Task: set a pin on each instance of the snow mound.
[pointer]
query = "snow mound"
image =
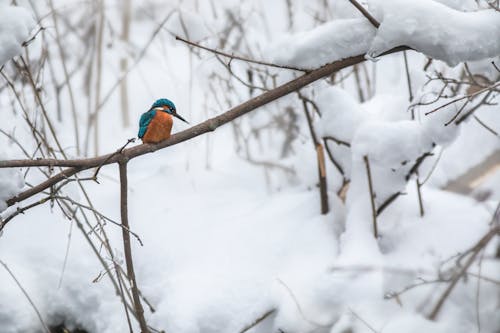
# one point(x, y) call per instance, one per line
point(15, 26)
point(427, 26)
point(390, 144)
point(327, 43)
point(341, 114)
point(436, 30)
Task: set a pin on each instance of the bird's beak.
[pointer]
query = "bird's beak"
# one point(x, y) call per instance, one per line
point(184, 120)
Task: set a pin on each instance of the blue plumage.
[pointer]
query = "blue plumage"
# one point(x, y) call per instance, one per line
point(144, 122)
point(164, 102)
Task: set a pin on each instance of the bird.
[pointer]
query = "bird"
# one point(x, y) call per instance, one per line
point(155, 124)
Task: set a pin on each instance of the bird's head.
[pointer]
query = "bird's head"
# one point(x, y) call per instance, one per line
point(166, 105)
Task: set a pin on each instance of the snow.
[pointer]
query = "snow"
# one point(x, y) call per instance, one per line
point(187, 267)
point(390, 144)
point(436, 128)
point(341, 114)
point(436, 30)
point(16, 24)
point(225, 239)
point(327, 43)
point(462, 36)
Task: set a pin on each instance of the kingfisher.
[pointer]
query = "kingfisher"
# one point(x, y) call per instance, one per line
point(155, 125)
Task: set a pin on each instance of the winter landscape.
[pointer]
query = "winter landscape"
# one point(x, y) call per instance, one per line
point(338, 170)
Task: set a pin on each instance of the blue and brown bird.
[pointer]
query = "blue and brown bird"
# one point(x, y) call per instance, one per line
point(155, 125)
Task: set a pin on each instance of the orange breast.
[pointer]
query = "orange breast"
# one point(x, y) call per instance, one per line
point(159, 128)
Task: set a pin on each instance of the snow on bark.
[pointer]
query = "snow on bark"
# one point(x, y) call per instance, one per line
point(11, 182)
point(15, 26)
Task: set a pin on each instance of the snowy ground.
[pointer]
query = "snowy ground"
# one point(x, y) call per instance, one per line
point(226, 241)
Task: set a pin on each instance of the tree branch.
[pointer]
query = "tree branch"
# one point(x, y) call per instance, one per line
point(209, 125)
point(139, 311)
point(387, 202)
point(365, 13)
point(258, 320)
point(320, 155)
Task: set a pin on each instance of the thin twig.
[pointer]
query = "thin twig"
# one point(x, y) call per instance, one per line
point(32, 38)
point(66, 255)
point(142, 53)
point(100, 215)
point(337, 141)
point(38, 98)
point(408, 80)
point(473, 109)
point(496, 67)
point(67, 80)
point(333, 160)
point(418, 162)
point(372, 196)
point(232, 56)
point(365, 13)
point(127, 315)
point(419, 195)
point(119, 151)
point(387, 202)
point(413, 170)
point(370, 327)
point(488, 128)
point(469, 96)
point(460, 111)
point(96, 252)
point(475, 250)
point(258, 320)
point(299, 307)
point(421, 282)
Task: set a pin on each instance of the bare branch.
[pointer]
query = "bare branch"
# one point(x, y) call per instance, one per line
point(474, 252)
point(365, 13)
point(337, 141)
point(488, 128)
point(417, 164)
point(387, 202)
point(474, 108)
point(258, 320)
point(139, 311)
point(372, 196)
point(232, 56)
point(469, 96)
point(209, 125)
point(299, 307)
